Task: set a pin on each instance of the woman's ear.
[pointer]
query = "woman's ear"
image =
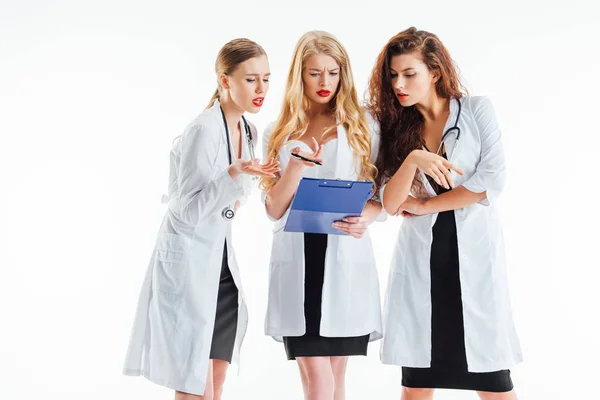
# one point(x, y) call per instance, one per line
point(224, 81)
point(436, 75)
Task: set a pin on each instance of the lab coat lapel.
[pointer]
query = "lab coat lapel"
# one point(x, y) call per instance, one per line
point(450, 142)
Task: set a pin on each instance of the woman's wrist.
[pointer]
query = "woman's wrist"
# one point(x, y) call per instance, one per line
point(296, 170)
point(234, 171)
point(412, 157)
point(425, 206)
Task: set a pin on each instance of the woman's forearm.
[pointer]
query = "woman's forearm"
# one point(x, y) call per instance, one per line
point(453, 200)
point(372, 210)
point(398, 187)
point(281, 195)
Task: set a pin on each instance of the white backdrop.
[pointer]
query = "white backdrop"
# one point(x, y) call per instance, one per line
point(93, 93)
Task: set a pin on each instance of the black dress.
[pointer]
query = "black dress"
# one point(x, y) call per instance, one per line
point(226, 315)
point(448, 357)
point(311, 344)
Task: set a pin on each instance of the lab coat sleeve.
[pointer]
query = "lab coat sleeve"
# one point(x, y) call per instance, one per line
point(375, 142)
point(490, 173)
point(265, 153)
point(202, 192)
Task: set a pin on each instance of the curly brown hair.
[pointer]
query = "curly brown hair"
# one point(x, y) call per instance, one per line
point(401, 127)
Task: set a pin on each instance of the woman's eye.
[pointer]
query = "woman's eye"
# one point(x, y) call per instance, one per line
point(250, 80)
point(314, 74)
point(411, 75)
point(393, 75)
point(265, 80)
point(333, 73)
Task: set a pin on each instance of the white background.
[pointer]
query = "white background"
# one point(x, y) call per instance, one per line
point(93, 93)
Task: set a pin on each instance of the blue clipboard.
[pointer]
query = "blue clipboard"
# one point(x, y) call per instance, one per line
point(318, 203)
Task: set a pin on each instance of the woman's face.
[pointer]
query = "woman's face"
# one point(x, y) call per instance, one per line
point(321, 78)
point(248, 84)
point(412, 82)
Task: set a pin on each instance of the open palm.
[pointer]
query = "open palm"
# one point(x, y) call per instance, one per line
point(254, 167)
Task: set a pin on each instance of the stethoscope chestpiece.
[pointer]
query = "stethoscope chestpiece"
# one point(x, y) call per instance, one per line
point(228, 214)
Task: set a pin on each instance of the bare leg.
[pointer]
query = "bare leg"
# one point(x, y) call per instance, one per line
point(498, 396)
point(317, 377)
point(208, 390)
point(219, 373)
point(416, 394)
point(338, 366)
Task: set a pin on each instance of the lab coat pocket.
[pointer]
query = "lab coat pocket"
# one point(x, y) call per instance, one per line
point(172, 255)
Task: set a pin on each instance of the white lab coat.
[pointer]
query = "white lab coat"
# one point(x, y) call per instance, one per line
point(490, 338)
point(351, 303)
point(172, 332)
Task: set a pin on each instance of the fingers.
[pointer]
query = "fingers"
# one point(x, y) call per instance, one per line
point(437, 172)
point(255, 168)
point(453, 167)
point(432, 173)
point(317, 149)
point(448, 176)
point(258, 171)
point(271, 166)
point(271, 169)
point(268, 171)
point(403, 213)
point(351, 228)
point(314, 145)
point(354, 220)
point(271, 163)
point(317, 154)
point(356, 233)
point(441, 177)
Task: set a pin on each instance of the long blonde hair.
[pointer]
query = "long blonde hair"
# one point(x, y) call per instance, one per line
point(293, 120)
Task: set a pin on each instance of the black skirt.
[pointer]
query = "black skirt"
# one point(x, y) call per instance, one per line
point(448, 357)
point(226, 316)
point(311, 344)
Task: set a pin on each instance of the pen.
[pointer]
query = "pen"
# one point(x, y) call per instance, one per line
point(306, 159)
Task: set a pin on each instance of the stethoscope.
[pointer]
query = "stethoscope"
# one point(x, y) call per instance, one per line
point(227, 212)
point(454, 129)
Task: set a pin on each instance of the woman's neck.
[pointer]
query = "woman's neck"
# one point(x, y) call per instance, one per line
point(318, 110)
point(434, 109)
point(233, 113)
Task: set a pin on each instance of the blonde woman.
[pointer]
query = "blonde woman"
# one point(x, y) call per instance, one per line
point(323, 293)
point(190, 323)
